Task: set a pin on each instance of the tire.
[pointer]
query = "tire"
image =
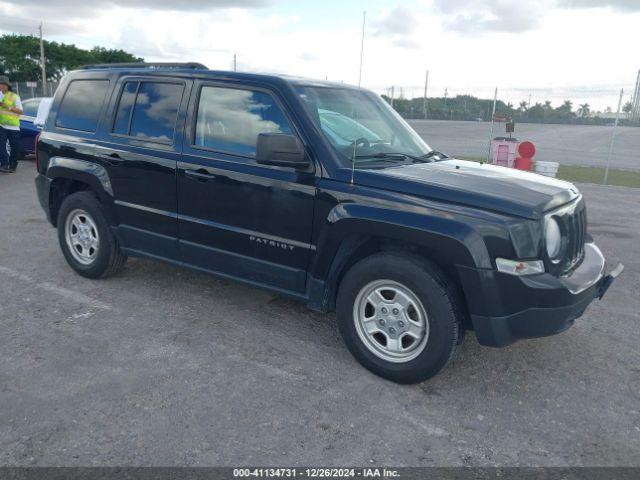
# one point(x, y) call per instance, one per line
point(418, 298)
point(96, 253)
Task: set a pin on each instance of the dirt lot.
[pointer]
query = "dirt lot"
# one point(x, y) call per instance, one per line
point(163, 366)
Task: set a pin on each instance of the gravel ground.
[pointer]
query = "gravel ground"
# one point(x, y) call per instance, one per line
point(163, 366)
point(586, 145)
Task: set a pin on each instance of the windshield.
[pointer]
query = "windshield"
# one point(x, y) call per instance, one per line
point(359, 124)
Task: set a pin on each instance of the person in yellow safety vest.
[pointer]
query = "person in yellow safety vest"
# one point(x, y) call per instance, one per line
point(10, 111)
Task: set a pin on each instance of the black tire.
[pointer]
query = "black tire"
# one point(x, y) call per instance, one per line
point(109, 259)
point(437, 296)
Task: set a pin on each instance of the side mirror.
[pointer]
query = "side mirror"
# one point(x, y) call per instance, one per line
point(281, 150)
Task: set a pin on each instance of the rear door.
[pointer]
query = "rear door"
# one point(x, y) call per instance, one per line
point(140, 148)
point(248, 221)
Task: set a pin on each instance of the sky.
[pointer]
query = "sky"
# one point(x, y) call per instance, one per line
point(582, 50)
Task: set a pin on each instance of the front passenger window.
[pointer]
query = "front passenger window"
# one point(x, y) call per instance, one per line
point(230, 120)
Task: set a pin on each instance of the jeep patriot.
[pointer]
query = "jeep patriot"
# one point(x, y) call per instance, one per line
point(318, 191)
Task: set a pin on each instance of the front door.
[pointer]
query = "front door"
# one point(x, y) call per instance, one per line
point(236, 217)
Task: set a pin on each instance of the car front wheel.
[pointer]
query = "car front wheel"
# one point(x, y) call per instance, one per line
point(399, 316)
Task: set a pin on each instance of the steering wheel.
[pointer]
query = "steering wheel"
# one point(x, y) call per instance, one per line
point(362, 141)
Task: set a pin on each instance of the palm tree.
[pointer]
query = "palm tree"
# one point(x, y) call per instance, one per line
point(523, 106)
point(567, 105)
point(627, 109)
point(584, 110)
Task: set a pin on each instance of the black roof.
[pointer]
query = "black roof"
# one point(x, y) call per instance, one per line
point(200, 70)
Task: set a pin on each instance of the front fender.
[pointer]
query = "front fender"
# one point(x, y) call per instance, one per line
point(449, 238)
point(453, 239)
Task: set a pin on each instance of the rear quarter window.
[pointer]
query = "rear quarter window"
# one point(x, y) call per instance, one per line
point(81, 105)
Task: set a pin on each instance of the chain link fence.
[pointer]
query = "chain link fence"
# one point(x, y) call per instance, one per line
point(35, 89)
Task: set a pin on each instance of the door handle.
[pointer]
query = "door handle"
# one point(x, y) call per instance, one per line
point(201, 175)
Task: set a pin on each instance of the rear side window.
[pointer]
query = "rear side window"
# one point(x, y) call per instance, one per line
point(230, 120)
point(81, 105)
point(148, 110)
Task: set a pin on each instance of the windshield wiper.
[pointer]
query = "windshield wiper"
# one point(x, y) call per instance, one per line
point(434, 153)
point(394, 156)
point(389, 156)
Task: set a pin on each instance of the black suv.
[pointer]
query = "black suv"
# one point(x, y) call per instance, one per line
point(318, 191)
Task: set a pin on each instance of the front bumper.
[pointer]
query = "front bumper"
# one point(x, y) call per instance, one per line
point(505, 308)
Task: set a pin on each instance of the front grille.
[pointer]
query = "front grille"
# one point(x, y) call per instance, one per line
point(575, 229)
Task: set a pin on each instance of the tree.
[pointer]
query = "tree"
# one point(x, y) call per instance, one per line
point(537, 112)
point(628, 107)
point(20, 57)
point(584, 110)
point(564, 112)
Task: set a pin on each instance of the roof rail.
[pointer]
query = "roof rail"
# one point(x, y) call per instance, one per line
point(189, 65)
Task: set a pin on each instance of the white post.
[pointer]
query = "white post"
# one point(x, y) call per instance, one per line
point(364, 18)
point(613, 138)
point(495, 100)
point(235, 62)
point(426, 85)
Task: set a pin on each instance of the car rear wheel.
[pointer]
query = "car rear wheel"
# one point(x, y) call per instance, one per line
point(85, 238)
point(399, 316)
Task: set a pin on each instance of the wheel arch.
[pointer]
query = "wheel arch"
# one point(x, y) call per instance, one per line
point(69, 176)
point(450, 244)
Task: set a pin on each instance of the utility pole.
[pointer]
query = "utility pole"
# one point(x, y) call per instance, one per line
point(235, 62)
point(392, 95)
point(42, 64)
point(424, 104)
point(613, 138)
point(364, 19)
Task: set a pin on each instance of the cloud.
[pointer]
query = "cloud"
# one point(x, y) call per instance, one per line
point(68, 12)
point(185, 5)
point(473, 16)
point(624, 5)
point(308, 57)
point(406, 43)
point(513, 16)
point(398, 25)
point(400, 21)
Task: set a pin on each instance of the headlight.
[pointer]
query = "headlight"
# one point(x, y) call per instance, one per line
point(553, 239)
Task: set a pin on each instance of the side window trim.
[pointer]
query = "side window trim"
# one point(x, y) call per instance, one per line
point(233, 86)
point(139, 80)
point(117, 106)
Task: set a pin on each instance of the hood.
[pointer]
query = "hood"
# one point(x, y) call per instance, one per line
point(485, 186)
